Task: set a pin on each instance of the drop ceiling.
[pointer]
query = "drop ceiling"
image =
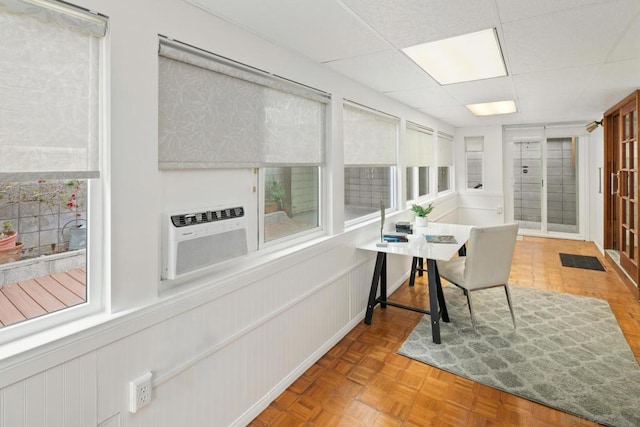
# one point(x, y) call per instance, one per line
point(567, 60)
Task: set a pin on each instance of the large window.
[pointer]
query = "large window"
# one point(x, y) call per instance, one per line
point(445, 161)
point(419, 160)
point(50, 132)
point(216, 113)
point(370, 140)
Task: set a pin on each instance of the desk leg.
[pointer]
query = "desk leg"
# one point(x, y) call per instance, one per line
point(433, 278)
point(383, 282)
point(380, 268)
point(441, 301)
point(414, 266)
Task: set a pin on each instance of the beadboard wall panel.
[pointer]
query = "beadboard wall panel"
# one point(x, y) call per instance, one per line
point(62, 396)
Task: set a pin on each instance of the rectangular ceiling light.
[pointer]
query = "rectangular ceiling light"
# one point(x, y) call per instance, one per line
point(492, 108)
point(469, 57)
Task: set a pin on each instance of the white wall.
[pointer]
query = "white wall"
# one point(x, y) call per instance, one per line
point(223, 344)
point(489, 205)
point(596, 187)
point(483, 206)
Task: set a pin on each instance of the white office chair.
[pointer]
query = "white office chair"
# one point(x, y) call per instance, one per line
point(486, 265)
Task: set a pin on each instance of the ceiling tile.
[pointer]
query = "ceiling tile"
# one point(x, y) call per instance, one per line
point(628, 46)
point(458, 116)
point(410, 22)
point(555, 89)
point(321, 30)
point(612, 83)
point(513, 10)
point(384, 71)
point(489, 90)
point(427, 99)
point(564, 39)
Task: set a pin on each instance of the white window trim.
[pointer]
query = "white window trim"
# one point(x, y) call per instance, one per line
point(22, 336)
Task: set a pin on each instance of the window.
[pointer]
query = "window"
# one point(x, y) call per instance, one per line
point(419, 159)
point(245, 119)
point(50, 133)
point(291, 201)
point(370, 140)
point(474, 153)
point(445, 161)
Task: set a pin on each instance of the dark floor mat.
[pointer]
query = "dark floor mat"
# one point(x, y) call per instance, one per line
point(581, 261)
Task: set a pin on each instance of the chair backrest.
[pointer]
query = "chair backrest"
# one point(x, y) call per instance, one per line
point(489, 255)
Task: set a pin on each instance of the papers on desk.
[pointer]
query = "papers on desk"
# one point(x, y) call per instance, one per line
point(440, 238)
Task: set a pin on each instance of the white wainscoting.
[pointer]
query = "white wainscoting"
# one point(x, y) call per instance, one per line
point(217, 364)
point(480, 208)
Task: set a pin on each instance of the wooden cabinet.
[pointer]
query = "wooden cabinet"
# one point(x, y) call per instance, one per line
point(621, 196)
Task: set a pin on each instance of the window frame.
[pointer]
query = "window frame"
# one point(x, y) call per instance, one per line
point(445, 161)
point(468, 139)
point(374, 145)
point(54, 324)
point(293, 238)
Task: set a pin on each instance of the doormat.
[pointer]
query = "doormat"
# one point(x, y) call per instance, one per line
point(581, 261)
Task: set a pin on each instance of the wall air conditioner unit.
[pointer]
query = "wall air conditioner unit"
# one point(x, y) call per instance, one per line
point(201, 239)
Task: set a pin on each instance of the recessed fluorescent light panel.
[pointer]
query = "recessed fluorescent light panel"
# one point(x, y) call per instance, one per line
point(492, 108)
point(465, 58)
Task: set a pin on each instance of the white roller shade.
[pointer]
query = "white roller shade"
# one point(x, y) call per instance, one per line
point(474, 143)
point(419, 146)
point(370, 137)
point(49, 87)
point(214, 113)
point(445, 149)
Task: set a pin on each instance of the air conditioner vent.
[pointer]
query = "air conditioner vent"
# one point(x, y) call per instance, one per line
point(184, 220)
point(202, 238)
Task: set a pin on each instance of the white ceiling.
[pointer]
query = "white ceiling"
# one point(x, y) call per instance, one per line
point(568, 60)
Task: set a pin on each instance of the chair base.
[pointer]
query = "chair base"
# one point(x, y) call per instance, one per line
point(467, 293)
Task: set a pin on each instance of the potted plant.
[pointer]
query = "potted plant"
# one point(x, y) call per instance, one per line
point(7, 236)
point(274, 197)
point(10, 250)
point(422, 214)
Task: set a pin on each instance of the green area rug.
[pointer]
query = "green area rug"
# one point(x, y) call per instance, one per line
point(567, 353)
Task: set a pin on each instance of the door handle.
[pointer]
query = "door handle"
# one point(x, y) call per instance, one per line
point(615, 183)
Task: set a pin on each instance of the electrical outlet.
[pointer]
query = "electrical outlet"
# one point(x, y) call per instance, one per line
point(140, 392)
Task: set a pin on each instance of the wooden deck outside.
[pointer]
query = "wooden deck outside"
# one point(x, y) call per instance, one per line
point(32, 298)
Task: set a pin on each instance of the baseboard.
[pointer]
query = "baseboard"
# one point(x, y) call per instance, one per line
point(633, 287)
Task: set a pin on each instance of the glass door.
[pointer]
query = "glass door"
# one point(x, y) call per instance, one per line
point(545, 183)
point(527, 184)
point(627, 191)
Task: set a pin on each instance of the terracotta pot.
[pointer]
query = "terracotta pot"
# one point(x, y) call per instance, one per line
point(11, 254)
point(10, 241)
point(270, 207)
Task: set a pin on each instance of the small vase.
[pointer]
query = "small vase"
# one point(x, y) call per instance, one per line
point(421, 221)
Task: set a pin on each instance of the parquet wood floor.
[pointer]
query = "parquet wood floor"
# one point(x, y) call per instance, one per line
point(363, 382)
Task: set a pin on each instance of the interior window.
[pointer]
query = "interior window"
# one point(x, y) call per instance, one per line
point(474, 153)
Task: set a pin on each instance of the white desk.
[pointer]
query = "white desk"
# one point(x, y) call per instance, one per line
point(417, 248)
